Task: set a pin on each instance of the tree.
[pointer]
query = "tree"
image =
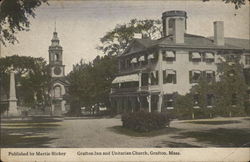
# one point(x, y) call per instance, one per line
point(115, 41)
point(232, 88)
point(91, 82)
point(237, 3)
point(32, 78)
point(14, 17)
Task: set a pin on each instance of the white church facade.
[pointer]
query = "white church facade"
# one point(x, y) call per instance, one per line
point(59, 83)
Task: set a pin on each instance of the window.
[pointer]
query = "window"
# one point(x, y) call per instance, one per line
point(210, 100)
point(194, 76)
point(169, 101)
point(57, 91)
point(169, 76)
point(169, 56)
point(56, 57)
point(209, 57)
point(194, 56)
point(196, 100)
point(247, 59)
point(210, 75)
point(144, 79)
point(154, 78)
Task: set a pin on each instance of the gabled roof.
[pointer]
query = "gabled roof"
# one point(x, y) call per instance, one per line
point(62, 80)
point(191, 41)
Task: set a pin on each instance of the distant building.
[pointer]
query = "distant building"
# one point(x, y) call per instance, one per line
point(59, 84)
point(152, 71)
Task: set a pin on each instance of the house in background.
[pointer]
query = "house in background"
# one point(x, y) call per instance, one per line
point(152, 71)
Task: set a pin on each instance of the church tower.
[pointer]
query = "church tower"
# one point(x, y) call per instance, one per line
point(56, 57)
point(59, 83)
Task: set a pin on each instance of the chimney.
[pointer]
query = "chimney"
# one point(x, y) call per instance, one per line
point(179, 30)
point(219, 33)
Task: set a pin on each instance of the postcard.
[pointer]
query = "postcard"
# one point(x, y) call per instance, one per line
point(123, 80)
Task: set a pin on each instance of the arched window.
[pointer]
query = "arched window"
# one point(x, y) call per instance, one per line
point(57, 91)
point(56, 57)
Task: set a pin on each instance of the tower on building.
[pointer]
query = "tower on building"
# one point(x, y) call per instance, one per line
point(59, 83)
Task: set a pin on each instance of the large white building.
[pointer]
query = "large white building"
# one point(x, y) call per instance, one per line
point(151, 71)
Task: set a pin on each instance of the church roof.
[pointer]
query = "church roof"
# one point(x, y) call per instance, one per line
point(62, 80)
point(191, 41)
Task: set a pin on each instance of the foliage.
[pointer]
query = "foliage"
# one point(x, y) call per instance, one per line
point(32, 79)
point(14, 16)
point(184, 106)
point(231, 89)
point(91, 82)
point(145, 121)
point(115, 41)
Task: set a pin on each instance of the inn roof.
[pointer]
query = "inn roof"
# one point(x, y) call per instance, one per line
point(191, 41)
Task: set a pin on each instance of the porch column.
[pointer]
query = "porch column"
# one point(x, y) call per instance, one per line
point(149, 103)
point(159, 102)
point(160, 80)
point(139, 80)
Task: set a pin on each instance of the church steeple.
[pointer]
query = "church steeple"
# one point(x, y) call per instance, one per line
point(56, 57)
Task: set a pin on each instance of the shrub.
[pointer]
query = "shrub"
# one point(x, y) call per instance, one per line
point(145, 121)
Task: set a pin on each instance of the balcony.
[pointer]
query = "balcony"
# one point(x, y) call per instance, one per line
point(124, 90)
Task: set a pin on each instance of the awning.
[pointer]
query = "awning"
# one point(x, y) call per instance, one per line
point(196, 55)
point(142, 58)
point(126, 78)
point(170, 71)
point(209, 72)
point(170, 54)
point(134, 60)
point(209, 56)
point(151, 56)
point(196, 71)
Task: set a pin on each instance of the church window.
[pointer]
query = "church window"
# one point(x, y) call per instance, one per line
point(56, 57)
point(57, 91)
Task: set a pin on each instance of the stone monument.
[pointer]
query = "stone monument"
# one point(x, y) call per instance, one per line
point(12, 96)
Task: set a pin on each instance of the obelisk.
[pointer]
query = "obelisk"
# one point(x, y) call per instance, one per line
point(12, 97)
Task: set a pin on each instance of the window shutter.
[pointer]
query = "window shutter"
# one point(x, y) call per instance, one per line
point(190, 76)
point(175, 79)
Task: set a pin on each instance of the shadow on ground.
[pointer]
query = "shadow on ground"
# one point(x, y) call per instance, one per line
point(128, 132)
point(220, 137)
point(27, 133)
point(215, 122)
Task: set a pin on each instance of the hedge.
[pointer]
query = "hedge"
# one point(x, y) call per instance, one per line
point(145, 121)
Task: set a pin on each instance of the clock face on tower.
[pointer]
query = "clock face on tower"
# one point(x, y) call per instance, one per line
point(57, 70)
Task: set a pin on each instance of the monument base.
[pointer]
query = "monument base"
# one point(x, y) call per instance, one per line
point(13, 111)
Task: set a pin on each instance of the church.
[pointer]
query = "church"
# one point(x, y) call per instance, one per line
point(59, 83)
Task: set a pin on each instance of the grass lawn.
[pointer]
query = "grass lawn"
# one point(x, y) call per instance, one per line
point(221, 137)
point(129, 132)
point(30, 133)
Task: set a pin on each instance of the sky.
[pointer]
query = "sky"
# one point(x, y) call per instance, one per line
point(81, 24)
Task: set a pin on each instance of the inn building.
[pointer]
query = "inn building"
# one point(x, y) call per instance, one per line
point(151, 72)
